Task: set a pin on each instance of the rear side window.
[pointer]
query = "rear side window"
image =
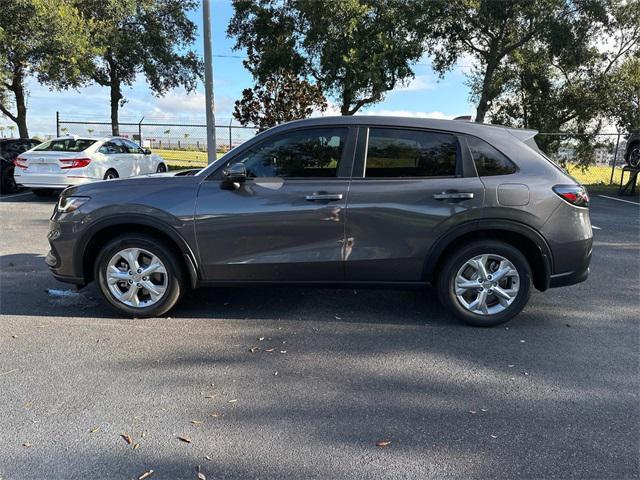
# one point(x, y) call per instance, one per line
point(395, 153)
point(488, 160)
point(65, 145)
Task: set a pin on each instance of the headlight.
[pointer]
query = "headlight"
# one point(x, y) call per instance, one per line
point(69, 204)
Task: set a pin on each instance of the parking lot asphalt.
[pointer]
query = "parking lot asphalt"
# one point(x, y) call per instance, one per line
point(552, 394)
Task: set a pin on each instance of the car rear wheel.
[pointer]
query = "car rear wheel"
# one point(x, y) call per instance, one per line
point(485, 283)
point(139, 276)
point(633, 159)
point(161, 168)
point(111, 175)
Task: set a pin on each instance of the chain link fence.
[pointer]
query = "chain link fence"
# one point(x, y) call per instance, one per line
point(181, 144)
point(591, 159)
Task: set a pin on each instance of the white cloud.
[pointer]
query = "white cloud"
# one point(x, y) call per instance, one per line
point(418, 83)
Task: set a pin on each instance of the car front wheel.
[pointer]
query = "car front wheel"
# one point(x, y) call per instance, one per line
point(633, 159)
point(139, 276)
point(485, 283)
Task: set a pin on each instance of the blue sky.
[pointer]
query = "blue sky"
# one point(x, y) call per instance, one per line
point(426, 95)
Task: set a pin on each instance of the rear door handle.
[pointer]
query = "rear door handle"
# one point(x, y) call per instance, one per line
point(323, 196)
point(453, 195)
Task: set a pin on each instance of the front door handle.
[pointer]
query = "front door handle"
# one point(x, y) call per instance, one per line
point(453, 195)
point(323, 196)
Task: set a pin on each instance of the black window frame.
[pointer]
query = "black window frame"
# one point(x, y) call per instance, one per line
point(345, 165)
point(462, 167)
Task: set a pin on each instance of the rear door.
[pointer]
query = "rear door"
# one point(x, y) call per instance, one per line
point(409, 187)
point(286, 222)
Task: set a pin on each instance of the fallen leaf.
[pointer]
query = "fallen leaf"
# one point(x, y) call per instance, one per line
point(483, 409)
point(510, 366)
point(521, 341)
point(216, 414)
point(26, 444)
point(233, 401)
point(201, 476)
point(253, 349)
point(94, 430)
point(269, 350)
point(143, 434)
point(197, 422)
point(209, 396)
point(185, 439)
point(14, 336)
point(145, 475)
point(275, 373)
point(136, 446)
point(473, 412)
point(207, 457)
point(525, 373)
point(383, 443)
point(127, 438)
point(337, 317)
point(494, 436)
point(260, 339)
point(283, 351)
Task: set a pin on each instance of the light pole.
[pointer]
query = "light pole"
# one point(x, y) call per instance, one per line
point(208, 82)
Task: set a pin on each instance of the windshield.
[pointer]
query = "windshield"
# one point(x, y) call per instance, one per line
point(65, 145)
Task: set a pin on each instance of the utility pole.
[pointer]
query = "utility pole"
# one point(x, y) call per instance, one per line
point(208, 82)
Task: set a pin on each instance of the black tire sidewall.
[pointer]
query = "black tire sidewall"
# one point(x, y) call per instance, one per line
point(175, 281)
point(8, 183)
point(162, 168)
point(635, 148)
point(106, 175)
point(446, 279)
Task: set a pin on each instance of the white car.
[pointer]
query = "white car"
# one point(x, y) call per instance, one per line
point(58, 163)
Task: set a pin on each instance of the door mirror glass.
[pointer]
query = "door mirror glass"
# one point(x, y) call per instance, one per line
point(236, 173)
point(146, 151)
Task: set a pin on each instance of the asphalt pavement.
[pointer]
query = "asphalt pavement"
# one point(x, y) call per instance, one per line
point(296, 383)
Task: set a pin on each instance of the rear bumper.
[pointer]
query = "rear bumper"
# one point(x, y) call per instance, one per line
point(581, 253)
point(51, 180)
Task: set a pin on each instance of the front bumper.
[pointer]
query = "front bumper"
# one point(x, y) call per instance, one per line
point(61, 259)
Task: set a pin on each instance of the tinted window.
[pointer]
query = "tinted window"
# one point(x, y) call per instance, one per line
point(304, 153)
point(410, 153)
point(488, 160)
point(130, 146)
point(110, 148)
point(66, 145)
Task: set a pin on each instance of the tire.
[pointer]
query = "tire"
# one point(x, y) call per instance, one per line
point(45, 192)
point(173, 285)
point(7, 182)
point(111, 174)
point(496, 311)
point(633, 158)
point(161, 168)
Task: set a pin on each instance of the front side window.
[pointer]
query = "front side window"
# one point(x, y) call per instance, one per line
point(309, 153)
point(65, 145)
point(488, 160)
point(130, 146)
point(394, 153)
point(110, 148)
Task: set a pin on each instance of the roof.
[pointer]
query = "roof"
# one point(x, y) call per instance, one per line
point(457, 126)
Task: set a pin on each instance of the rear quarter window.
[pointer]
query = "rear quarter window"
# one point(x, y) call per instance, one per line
point(489, 161)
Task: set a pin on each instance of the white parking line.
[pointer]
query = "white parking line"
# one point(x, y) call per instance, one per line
point(6, 197)
point(619, 200)
point(595, 228)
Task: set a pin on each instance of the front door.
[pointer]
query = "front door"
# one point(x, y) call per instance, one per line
point(287, 221)
point(409, 187)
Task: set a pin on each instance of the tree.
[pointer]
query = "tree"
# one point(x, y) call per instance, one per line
point(281, 98)
point(142, 37)
point(47, 39)
point(354, 50)
point(490, 32)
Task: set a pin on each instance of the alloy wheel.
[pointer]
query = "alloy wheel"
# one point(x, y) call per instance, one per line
point(487, 284)
point(136, 277)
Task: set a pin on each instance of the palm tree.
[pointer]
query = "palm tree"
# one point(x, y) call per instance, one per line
point(2, 131)
point(11, 129)
point(90, 130)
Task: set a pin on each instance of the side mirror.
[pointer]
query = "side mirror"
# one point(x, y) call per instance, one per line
point(146, 151)
point(236, 173)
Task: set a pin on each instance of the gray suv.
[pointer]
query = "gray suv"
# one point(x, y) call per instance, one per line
point(476, 210)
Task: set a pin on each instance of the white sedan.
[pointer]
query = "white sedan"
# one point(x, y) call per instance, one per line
point(65, 161)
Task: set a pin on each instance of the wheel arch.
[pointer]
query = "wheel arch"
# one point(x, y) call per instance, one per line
point(102, 232)
point(533, 246)
point(632, 144)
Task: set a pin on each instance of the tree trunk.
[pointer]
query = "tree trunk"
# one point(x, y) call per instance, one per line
point(20, 118)
point(116, 96)
point(115, 103)
point(487, 94)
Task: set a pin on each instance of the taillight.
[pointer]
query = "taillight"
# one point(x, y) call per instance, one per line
point(574, 194)
point(74, 162)
point(20, 163)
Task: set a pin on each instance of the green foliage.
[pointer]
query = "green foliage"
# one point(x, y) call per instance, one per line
point(624, 95)
point(142, 37)
point(354, 50)
point(281, 98)
point(46, 39)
